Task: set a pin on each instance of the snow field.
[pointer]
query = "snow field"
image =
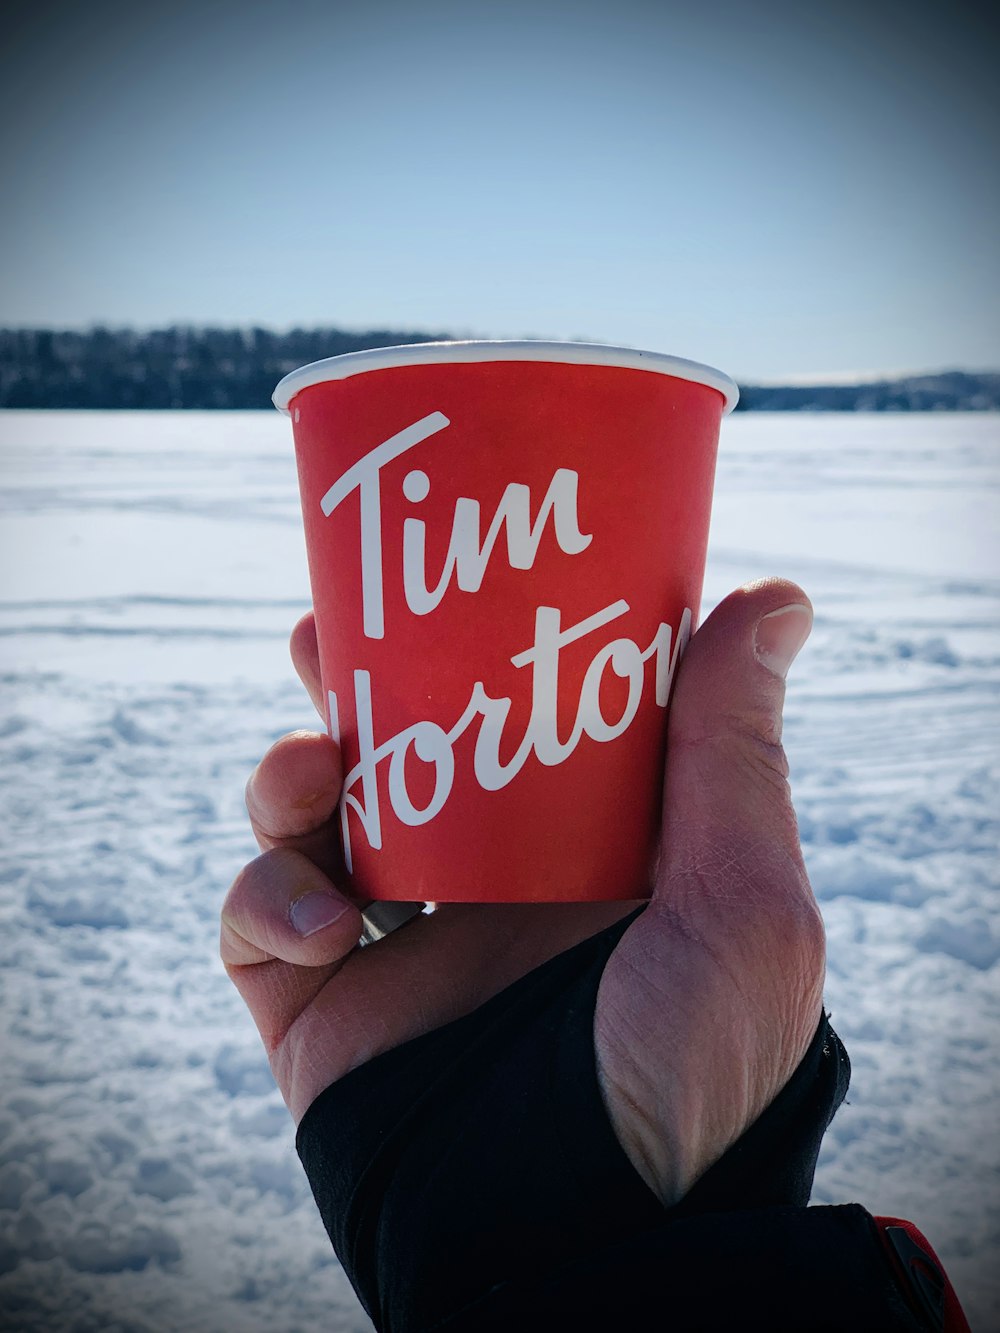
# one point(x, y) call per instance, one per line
point(153, 566)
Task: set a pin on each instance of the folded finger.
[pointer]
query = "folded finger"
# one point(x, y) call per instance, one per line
point(286, 929)
point(282, 906)
point(305, 658)
point(292, 797)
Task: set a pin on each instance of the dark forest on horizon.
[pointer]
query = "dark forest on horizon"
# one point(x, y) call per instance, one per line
point(186, 367)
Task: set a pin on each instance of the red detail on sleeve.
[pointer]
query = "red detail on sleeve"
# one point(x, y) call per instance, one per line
point(920, 1275)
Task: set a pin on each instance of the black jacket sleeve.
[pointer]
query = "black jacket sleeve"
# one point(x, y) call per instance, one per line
point(470, 1180)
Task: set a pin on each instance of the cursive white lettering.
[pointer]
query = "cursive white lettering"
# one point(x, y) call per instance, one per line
point(468, 555)
point(431, 744)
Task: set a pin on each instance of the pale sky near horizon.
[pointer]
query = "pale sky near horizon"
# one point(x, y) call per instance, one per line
point(778, 189)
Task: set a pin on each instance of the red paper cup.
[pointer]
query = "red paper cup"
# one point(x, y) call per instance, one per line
point(506, 546)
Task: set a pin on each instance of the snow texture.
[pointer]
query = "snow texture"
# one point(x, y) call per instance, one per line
point(153, 566)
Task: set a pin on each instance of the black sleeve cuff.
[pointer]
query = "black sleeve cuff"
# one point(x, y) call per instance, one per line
point(771, 1270)
point(480, 1155)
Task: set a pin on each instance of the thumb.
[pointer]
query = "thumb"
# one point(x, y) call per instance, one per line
point(730, 857)
point(721, 976)
point(726, 770)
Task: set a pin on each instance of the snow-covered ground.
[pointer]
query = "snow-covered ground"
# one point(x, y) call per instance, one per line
point(152, 567)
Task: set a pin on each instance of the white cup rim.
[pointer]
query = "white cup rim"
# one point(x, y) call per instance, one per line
point(480, 350)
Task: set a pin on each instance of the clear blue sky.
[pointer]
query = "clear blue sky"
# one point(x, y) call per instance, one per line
point(774, 188)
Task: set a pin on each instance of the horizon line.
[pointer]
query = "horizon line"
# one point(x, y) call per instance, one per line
point(794, 379)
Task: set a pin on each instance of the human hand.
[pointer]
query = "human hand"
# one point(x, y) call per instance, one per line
point(710, 999)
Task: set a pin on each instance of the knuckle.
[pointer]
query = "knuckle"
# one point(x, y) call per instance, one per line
point(239, 888)
point(248, 889)
point(759, 752)
point(750, 746)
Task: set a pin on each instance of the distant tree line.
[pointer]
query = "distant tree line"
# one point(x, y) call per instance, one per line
point(178, 367)
point(949, 391)
point(215, 368)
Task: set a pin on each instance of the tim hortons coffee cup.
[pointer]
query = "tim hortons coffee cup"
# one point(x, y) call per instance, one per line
point(506, 546)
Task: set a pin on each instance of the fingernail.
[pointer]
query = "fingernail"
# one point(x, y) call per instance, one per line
point(315, 911)
point(779, 636)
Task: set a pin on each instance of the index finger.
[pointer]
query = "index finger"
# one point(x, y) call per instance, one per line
point(305, 658)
